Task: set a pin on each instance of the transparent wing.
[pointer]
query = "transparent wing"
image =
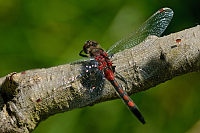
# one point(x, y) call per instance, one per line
point(83, 82)
point(155, 25)
point(91, 79)
point(133, 74)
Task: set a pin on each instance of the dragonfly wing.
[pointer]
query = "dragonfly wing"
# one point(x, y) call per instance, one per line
point(90, 78)
point(82, 81)
point(132, 75)
point(155, 25)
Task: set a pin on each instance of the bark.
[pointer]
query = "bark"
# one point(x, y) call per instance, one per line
point(31, 96)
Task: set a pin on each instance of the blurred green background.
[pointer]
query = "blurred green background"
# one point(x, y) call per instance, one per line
point(46, 33)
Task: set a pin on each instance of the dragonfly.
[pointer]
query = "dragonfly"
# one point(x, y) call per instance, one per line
point(97, 66)
point(155, 25)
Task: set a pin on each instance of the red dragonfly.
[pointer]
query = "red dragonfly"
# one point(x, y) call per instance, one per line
point(86, 79)
point(155, 25)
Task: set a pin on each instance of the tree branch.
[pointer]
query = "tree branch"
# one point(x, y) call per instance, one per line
point(31, 96)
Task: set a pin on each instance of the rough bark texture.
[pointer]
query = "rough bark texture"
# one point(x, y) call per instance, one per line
point(31, 96)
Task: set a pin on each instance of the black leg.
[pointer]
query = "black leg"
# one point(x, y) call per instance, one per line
point(83, 54)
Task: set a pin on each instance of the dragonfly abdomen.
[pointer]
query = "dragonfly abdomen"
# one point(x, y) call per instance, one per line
point(127, 100)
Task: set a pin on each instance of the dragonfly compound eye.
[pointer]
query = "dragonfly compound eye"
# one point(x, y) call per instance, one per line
point(90, 45)
point(95, 44)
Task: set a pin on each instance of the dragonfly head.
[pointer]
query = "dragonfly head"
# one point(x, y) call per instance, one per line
point(89, 45)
